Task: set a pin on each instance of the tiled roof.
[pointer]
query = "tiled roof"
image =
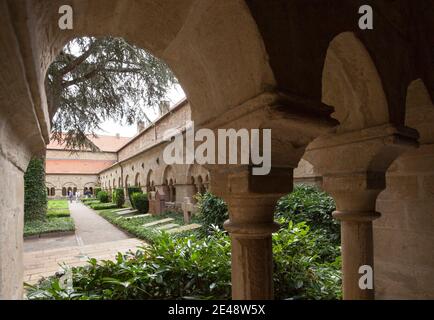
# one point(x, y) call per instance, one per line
point(103, 142)
point(76, 166)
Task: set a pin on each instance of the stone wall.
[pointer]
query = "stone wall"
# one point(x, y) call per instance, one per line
point(79, 181)
point(153, 134)
point(141, 162)
point(404, 234)
point(80, 155)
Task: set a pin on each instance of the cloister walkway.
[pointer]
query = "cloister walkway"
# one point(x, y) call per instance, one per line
point(94, 238)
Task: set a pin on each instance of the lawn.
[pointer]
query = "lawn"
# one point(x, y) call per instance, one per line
point(135, 226)
point(57, 220)
point(58, 208)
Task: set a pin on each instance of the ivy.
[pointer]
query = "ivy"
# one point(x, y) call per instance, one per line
point(35, 193)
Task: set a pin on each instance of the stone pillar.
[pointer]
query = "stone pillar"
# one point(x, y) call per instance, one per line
point(250, 226)
point(251, 202)
point(355, 197)
point(353, 166)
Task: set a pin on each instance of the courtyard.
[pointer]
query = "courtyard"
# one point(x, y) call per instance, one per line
point(338, 96)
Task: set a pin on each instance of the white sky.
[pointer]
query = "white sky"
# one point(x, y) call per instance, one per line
point(112, 128)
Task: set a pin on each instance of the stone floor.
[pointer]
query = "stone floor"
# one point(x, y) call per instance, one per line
point(94, 238)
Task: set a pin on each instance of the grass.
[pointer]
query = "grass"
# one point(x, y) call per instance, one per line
point(57, 220)
point(58, 209)
point(102, 206)
point(50, 225)
point(135, 226)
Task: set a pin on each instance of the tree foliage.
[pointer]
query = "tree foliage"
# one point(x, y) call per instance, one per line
point(96, 79)
point(35, 193)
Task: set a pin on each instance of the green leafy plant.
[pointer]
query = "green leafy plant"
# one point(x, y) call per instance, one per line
point(103, 206)
point(140, 201)
point(102, 196)
point(212, 211)
point(312, 206)
point(131, 191)
point(170, 268)
point(35, 192)
point(305, 257)
point(118, 197)
point(96, 191)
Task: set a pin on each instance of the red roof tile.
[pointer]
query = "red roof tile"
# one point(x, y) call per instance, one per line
point(103, 142)
point(76, 166)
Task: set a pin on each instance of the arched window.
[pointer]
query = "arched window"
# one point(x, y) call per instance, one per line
point(74, 191)
point(52, 191)
point(91, 190)
point(48, 191)
point(64, 191)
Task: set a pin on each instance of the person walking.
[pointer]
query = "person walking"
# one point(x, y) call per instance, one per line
point(77, 196)
point(70, 196)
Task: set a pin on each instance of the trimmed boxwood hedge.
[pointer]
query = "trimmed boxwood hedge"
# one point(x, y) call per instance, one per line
point(118, 197)
point(140, 201)
point(131, 191)
point(103, 197)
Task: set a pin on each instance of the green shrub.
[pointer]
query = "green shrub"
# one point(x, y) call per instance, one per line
point(306, 264)
point(213, 211)
point(102, 196)
point(306, 261)
point(103, 206)
point(35, 192)
point(170, 268)
point(96, 191)
point(132, 190)
point(49, 225)
point(191, 267)
point(140, 202)
point(118, 197)
point(310, 205)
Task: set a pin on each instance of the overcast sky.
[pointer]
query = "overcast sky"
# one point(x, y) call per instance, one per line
point(111, 127)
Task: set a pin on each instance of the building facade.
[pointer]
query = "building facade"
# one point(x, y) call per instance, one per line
point(125, 162)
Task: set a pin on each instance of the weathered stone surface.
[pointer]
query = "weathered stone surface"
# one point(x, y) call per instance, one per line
point(167, 226)
point(154, 223)
point(187, 227)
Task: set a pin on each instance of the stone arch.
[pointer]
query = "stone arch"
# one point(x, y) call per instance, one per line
point(199, 177)
point(137, 182)
point(168, 173)
point(150, 183)
point(127, 183)
point(220, 63)
point(352, 85)
point(420, 111)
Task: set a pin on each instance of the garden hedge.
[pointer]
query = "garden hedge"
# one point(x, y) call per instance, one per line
point(140, 201)
point(35, 192)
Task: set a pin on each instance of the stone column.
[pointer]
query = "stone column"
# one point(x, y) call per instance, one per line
point(250, 226)
point(353, 166)
point(355, 198)
point(251, 202)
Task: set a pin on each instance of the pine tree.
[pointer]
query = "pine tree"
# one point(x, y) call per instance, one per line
point(96, 79)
